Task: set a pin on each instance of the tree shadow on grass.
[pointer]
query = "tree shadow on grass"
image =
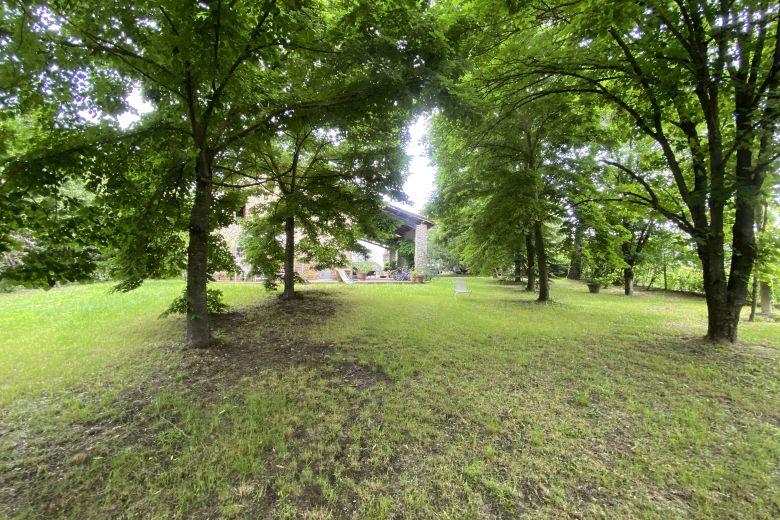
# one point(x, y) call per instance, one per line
point(269, 335)
point(534, 302)
point(510, 286)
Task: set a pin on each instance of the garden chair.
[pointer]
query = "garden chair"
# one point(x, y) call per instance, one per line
point(460, 287)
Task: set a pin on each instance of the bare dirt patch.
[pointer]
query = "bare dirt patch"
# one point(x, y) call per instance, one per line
point(268, 336)
point(37, 452)
point(359, 377)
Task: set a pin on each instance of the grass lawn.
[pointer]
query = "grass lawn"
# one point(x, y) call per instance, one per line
point(385, 401)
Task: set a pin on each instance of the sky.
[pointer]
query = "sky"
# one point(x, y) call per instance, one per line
point(420, 183)
point(138, 106)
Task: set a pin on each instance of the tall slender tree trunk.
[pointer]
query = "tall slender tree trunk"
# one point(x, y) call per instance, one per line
point(753, 299)
point(541, 260)
point(198, 335)
point(762, 218)
point(289, 258)
point(530, 272)
point(766, 299)
point(518, 269)
point(575, 270)
point(666, 279)
point(628, 281)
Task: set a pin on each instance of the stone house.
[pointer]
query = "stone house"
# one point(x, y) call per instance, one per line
point(410, 227)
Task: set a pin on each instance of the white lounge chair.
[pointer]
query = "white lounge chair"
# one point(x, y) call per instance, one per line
point(344, 277)
point(459, 287)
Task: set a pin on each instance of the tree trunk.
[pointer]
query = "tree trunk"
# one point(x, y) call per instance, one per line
point(198, 335)
point(541, 260)
point(753, 299)
point(723, 325)
point(650, 284)
point(666, 283)
point(628, 281)
point(575, 270)
point(721, 320)
point(518, 269)
point(743, 247)
point(530, 270)
point(766, 299)
point(722, 315)
point(289, 259)
point(762, 217)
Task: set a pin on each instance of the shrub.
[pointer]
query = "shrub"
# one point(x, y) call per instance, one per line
point(363, 266)
point(214, 303)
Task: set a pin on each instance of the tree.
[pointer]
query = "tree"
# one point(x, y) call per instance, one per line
point(631, 225)
point(325, 188)
point(217, 73)
point(441, 253)
point(198, 63)
point(767, 262)
point(484, 228)
point(665, 251)
point(700, 80)
point(508, 166)
point(576, 237)
point(602, 257)
point(49, 224)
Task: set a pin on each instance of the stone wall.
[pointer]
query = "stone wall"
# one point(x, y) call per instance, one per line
point(421, 249)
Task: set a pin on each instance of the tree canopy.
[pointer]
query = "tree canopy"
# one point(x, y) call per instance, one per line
point(693, 84)
point(576, 137)
point(219, 75)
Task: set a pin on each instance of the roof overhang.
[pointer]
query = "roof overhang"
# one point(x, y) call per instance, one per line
point(408, 220)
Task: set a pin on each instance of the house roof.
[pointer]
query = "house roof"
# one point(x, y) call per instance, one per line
point(407, 218)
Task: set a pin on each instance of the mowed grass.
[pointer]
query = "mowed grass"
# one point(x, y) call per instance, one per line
point(391, 401)
point(52, 340)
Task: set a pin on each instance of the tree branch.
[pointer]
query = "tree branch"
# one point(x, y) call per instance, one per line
point(241, 58)
point(652, 199)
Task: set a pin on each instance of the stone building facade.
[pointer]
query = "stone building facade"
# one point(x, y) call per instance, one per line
point(410, 227)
